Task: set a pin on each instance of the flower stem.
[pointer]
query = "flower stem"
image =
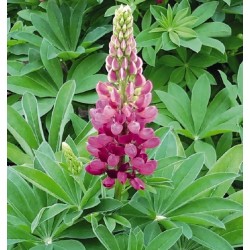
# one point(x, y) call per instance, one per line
point(118, 190)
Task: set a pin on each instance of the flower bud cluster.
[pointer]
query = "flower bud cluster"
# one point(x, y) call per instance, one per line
point(74, 165)
point(122, 112)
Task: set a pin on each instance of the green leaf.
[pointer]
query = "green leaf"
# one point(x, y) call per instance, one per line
point(170, 61)
point(213, 43)
point(185, 174)
point(43, 27)
point(16, 155)
point(177, 108)
point(58, 174)
point(206, 205)
point(199, 219)
point(151, 231)
point(89, 97)
point(230, 162)
point(16, 235)
point(87, 67)
point(68, 244)
point(199, 187)
point(170, 145)
point(21, 131)
point(177, 75)
point(213, 29)
point(107, 205)
point(185, 32)
point(204, 12)
point(53, 66)
point(106, 238)
point(47, 213)
point(224, 144)
point(174, 38)
point(121, 220)
point(146, 20)
point(208, 150)
point(240, 82)
point(60, 114)
point(78, 123)
point(145, 38)
point(160, 241)
point(43, 182)
point(200, 97)
point(76, 22)
point(193, 44)
point(22, 84)
point(32, 116)
point(149, 55)
point(55, 17)
point(95, 34)
point(209, 239)
point(89, 82)
point(21, 197)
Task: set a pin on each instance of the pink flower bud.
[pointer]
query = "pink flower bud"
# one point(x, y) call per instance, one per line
point(137, 184)
point(122, 177)
point(139, 80)
point(102, 89)
point(132, 68)
point(130, 89)
point(109, 60)
point(116, 128)
point(134, 127)
point(94, 142)
point(108, 182)
point(139, 63)
point(151, 143)
point(131, 150)
point(104, 139)
point(108, 112)
point(115, 96)
point(119, 53)
point(112, 50)
point(133, 56)
point(125, 63)
point(147, 100)
point(147, 87)
point(128, 51)
point(113, 160)
point(126, 110)
point(112, 76)
point(115, 64)
point(123, 45)
point(149, 112)
point(137, 162)
point(96, 167)
point(122, 74)
point(146, 133)
point(92, 150)
point(148, 168)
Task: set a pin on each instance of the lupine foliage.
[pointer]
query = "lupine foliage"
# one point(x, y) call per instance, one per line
point(78, 105)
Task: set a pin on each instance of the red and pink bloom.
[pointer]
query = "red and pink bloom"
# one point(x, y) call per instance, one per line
point(122, 112)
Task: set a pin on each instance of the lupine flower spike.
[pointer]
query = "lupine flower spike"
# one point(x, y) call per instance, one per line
point(122, 112)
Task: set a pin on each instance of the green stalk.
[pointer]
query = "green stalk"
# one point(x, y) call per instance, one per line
point(118, 190)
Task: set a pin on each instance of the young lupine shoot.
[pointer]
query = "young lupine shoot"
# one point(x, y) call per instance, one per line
point(122, 112)
point(74, 165)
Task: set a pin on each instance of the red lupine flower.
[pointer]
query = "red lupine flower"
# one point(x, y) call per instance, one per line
point(122, 112)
